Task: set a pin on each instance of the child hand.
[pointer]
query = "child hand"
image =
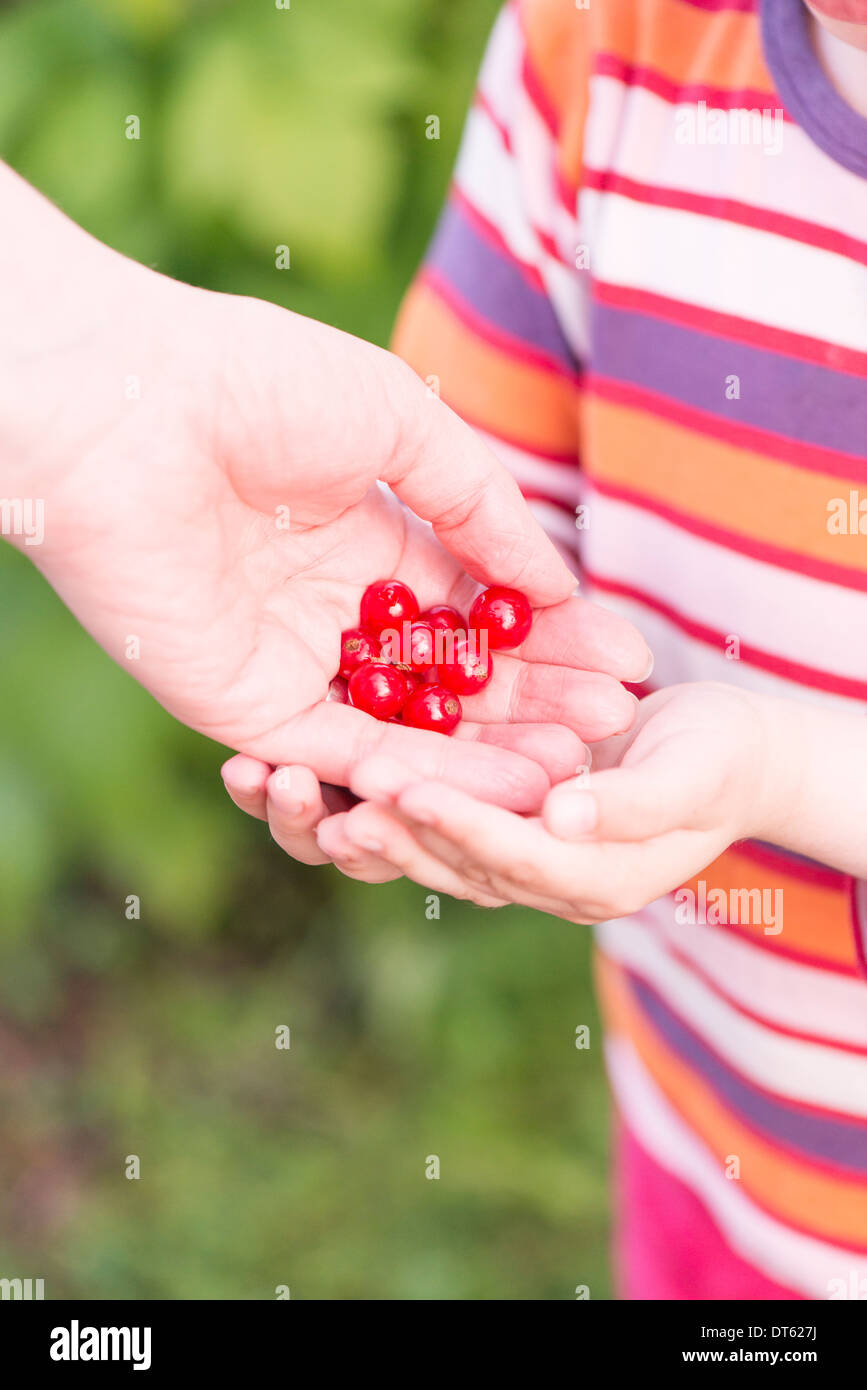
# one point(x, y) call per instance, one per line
point(691, 777)
point(571, 703)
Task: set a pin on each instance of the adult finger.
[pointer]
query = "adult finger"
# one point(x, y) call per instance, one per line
point(586, 636)
point(444, 472)
point(594, 706)
point(554, 747)
point(295, 808)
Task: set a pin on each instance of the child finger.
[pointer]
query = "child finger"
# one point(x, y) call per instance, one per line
point(354, 860)
point(373, 828)
point(245, 780)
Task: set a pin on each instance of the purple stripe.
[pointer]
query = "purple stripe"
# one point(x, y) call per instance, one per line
point(494, 286)
point(834, 1140)
point(799, 400)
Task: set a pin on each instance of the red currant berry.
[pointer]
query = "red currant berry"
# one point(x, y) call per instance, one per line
point(422, 642)
point(469, 670)
point(412, 679)
point(433, 707)
point(504, 614)
point(378, 690)
point(387, 603)
point(356, 648)
point(442, 617)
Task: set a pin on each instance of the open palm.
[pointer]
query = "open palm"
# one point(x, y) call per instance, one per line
point(216, 531)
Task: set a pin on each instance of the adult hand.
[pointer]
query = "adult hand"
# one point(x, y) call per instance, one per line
point(209, 467)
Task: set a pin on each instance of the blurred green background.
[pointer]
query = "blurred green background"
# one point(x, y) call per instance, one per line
point(409, 1036)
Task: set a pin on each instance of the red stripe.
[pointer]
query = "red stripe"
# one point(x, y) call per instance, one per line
point(536, 92)
point(812, 457)
point(717, 6)
point(856, 886)
point(814, 350)
point(494, 237)
point(550, 247)
point(729, 210)
point(721, 98)
point(535, 494)
point(773, 1025)
point(778, 861)
point(791, 953)
point(517, 348)
point(766, 661)
point(763, 551)
point(566, 192)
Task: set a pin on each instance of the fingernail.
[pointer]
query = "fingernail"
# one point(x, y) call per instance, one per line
point(575, 813)
point(240, 789)
point(294, 811)
point(649, 672)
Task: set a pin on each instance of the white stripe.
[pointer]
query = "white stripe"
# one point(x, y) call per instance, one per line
point(516, 198)
point(807, 1072)
point(569, 293)
point(727, 268)
point(532, 471)
point(782, 992)
point(559, 525)
point(501, 84)
point(633, 132)
point(500, 74)
point(799, 618)
point(796, 1261)
point(679, 657)
point(485, 173)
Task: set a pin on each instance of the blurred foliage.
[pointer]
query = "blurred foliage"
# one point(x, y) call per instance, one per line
point(455, 1037)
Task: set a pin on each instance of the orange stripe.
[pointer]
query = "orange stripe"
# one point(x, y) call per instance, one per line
point(816, 920)
point(719, 49)
point(709, 479)
point(559, 46)
point(530, 406)
point(834, 1208)
point(685, 44)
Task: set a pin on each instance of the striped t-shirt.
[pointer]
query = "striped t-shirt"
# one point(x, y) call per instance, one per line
point(648, 292)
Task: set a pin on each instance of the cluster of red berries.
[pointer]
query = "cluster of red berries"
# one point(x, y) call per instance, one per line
point(404, 664)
